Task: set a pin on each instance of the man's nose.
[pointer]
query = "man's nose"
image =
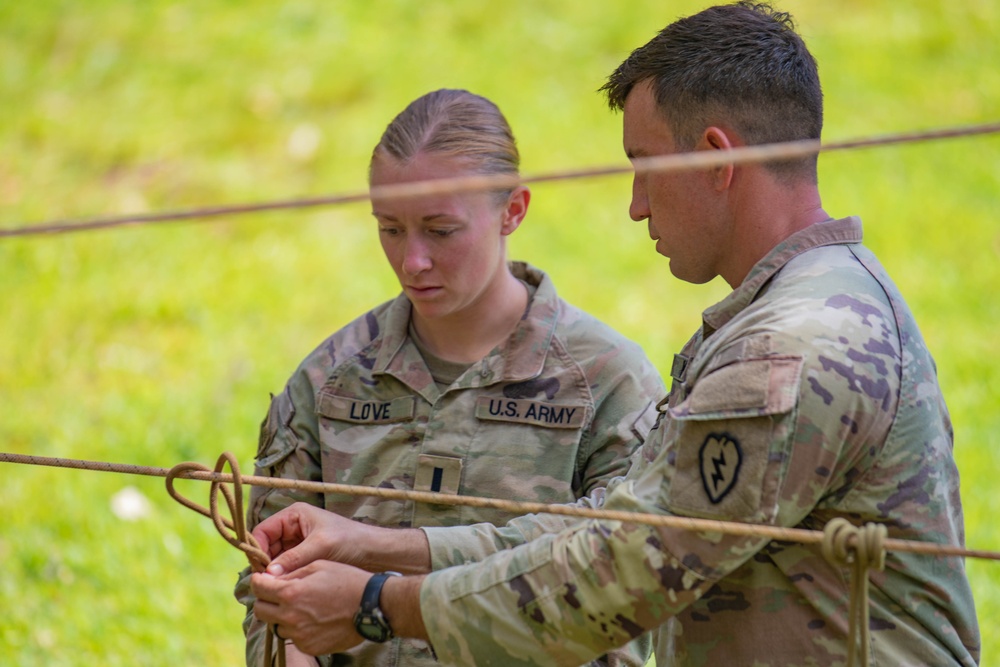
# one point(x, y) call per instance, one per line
point(638, 209)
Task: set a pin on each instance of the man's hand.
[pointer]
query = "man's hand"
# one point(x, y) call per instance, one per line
point(314, 606)
point(303, 533)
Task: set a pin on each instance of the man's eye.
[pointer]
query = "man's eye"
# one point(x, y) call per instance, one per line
point(388, 231)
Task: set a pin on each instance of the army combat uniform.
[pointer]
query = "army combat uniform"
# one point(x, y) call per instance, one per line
point(549, 416)
point(807, 394)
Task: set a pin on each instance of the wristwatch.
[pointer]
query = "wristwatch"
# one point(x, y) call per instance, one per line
point(370, 622)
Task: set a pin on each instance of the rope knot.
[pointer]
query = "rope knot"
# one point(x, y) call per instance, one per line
point(862, 549)
point(233, 530)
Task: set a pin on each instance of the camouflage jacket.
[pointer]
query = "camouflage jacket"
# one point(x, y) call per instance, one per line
point(807, 394)
point(549, 416)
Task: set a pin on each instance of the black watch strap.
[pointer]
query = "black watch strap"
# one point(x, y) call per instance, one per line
point(370, 622)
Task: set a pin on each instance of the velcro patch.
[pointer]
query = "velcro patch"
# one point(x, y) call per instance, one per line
point(536, 413)
point(357, 411)
point(439, 474)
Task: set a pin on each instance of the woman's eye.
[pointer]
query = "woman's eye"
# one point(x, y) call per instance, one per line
point(388, 231)
point(442, 232)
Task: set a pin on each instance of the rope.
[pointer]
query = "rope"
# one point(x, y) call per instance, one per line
point(479, 183)
point(799, 535)
point(232, 530)
point(862, 549)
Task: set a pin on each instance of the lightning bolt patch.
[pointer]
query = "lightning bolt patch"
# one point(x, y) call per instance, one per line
point(720, 457)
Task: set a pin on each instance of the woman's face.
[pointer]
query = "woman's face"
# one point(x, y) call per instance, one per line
point(447, 250)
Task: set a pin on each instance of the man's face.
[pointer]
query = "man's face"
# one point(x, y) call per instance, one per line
point(677, 206)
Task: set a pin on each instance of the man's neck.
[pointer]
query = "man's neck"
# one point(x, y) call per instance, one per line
point(767, 212)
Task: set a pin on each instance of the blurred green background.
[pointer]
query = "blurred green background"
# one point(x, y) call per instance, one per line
point(158, 344)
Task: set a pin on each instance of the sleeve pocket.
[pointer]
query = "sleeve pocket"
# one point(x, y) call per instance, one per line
point(274, 445)
point(730, 445)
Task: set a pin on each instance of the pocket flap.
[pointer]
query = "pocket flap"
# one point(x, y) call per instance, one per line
point(751, 388)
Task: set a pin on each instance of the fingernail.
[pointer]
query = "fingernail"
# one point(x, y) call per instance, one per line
point(275, 569)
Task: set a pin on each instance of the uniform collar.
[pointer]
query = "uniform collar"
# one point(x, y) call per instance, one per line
point(520, 357)
point(831, 232)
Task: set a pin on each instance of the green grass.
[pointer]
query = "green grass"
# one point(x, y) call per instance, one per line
point(159, 344)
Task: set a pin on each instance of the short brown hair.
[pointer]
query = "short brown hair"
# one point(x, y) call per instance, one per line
point(743, 64)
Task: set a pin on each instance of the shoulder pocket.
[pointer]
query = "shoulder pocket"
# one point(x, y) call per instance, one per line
point(273, 448)
point(730, 440)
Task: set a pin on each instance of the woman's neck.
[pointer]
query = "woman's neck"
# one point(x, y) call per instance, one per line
point(470, 335)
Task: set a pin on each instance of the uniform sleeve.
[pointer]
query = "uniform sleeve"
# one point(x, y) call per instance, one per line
point(288, 448)
point(730, 451)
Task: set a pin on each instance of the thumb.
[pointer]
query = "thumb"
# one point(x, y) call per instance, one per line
point(296, 557)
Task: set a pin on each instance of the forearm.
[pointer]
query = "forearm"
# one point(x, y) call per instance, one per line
point(458, 545)
point(404, 550)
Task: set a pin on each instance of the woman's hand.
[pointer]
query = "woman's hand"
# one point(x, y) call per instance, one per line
point(304, 533)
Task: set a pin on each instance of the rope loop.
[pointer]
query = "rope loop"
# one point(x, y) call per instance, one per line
point(232, 530)
point(861, 549)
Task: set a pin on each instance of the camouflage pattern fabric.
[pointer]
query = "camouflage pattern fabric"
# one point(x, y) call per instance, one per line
point(807, 394)
point(550, 416)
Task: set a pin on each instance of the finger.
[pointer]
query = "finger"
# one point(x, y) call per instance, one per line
point(266, 612)
point(297, 557)
point(265, 587)
point(277, 532)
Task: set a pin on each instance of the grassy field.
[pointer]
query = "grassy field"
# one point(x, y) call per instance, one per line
point(158, 344)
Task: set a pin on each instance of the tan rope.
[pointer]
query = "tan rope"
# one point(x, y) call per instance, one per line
point(478, 183)
point(233, 530)
point(799, 535)
point(862, 549)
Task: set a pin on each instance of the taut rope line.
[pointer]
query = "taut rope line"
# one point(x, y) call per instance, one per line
point(799, 535)
point(664, 163)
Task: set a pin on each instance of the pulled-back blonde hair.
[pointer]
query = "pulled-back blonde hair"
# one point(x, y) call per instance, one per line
point(455, 123)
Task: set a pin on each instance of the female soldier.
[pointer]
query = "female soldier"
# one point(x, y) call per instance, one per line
point(476, 380)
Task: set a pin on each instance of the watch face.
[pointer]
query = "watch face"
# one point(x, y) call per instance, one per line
point(372, 626)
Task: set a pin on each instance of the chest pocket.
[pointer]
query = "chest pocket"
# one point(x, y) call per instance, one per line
point(731, 440)
point(524, 449)
point(367, 442)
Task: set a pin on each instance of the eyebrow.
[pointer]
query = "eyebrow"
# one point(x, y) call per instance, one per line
point(427, 218)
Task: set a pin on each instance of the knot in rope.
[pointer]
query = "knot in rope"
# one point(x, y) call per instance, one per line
point(232, 530)
point(862, 549)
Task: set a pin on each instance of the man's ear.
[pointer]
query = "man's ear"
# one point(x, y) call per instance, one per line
point(515, 209)
point(715, 138)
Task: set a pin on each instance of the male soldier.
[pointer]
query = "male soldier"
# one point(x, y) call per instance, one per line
point(807, 394)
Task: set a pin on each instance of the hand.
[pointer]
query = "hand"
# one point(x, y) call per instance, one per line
point(303, 533)
point(296, 658)
point(314, 605)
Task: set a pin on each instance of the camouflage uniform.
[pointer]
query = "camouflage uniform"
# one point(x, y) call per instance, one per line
point(550, 416)
point(807, 394)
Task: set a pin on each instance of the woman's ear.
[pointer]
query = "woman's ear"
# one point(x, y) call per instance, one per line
point(715, 138)
point(515, 209)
